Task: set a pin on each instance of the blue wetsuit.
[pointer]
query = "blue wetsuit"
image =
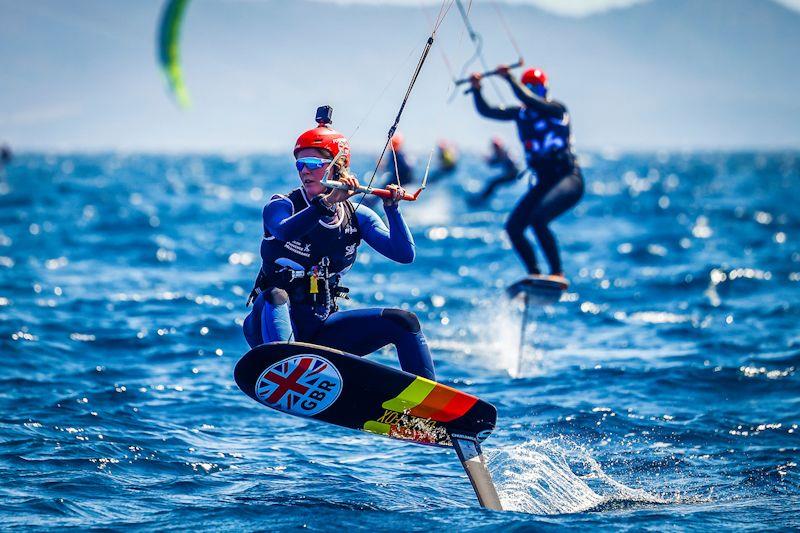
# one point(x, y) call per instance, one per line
point(304, 232)
point(544, 129)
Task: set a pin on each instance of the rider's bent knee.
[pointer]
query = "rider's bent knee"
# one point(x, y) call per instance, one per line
point(405, 319)
point(539, 223)
point(276, 297)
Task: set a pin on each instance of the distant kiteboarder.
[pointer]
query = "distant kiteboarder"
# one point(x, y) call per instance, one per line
point(5, 154)
point(544, 129)
point(5, 158)
point(397, 169)
point(509, 172)
point(311, 238)
point(398, 166)
point(446, 161)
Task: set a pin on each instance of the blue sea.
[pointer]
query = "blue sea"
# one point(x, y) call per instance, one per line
point(662, 392)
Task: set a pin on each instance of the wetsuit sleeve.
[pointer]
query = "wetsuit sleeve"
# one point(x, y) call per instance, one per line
point(497, 113)
point(534, 101)
point(280, 222)
point(394, 242)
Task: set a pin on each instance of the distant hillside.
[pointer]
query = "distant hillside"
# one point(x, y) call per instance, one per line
point(663, 74)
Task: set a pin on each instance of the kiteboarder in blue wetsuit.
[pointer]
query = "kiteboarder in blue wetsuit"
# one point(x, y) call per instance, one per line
point(544, 129)
point(447, 161)
point(311, 238)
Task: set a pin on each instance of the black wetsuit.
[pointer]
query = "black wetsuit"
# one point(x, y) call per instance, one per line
point(544, 129)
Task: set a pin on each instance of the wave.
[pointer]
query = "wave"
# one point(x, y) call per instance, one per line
point(537, 477)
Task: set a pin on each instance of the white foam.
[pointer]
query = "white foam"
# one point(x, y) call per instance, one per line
point(437, 208)
point(494, 341)
point(536, 477)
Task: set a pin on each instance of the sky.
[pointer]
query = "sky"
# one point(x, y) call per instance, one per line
point(635, 74)
point(563, 7)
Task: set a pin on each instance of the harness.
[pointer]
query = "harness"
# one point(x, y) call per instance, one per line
point(317, 287)
point(547, 142)
point(309, 269)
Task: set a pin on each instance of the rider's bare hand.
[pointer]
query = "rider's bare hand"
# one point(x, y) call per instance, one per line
point(397, 195)
point(339, 195)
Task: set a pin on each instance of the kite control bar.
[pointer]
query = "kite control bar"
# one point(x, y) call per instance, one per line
point(494, 72)
point(380, 193)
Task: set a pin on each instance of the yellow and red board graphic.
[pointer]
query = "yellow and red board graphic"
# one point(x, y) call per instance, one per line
point(425, 399)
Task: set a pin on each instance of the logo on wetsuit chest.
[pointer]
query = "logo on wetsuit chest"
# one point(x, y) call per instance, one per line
point(550, 143)
point(303, 385)
point(348, 229)
point(299, 248)
point(350, 249)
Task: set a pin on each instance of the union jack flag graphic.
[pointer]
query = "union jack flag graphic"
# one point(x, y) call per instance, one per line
point(302, 385)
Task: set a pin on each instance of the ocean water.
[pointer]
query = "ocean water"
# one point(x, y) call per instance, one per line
point(662, 392)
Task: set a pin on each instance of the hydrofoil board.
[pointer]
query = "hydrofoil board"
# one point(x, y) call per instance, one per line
point(331, 386)
point(539, 289)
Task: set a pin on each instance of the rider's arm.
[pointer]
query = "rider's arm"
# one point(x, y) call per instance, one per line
point(534, 101)
point(394, 242)
point(280, 222)
point(497, 113)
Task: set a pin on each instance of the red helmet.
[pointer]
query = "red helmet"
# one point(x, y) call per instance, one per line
point(534, 76)
point(323, 137)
